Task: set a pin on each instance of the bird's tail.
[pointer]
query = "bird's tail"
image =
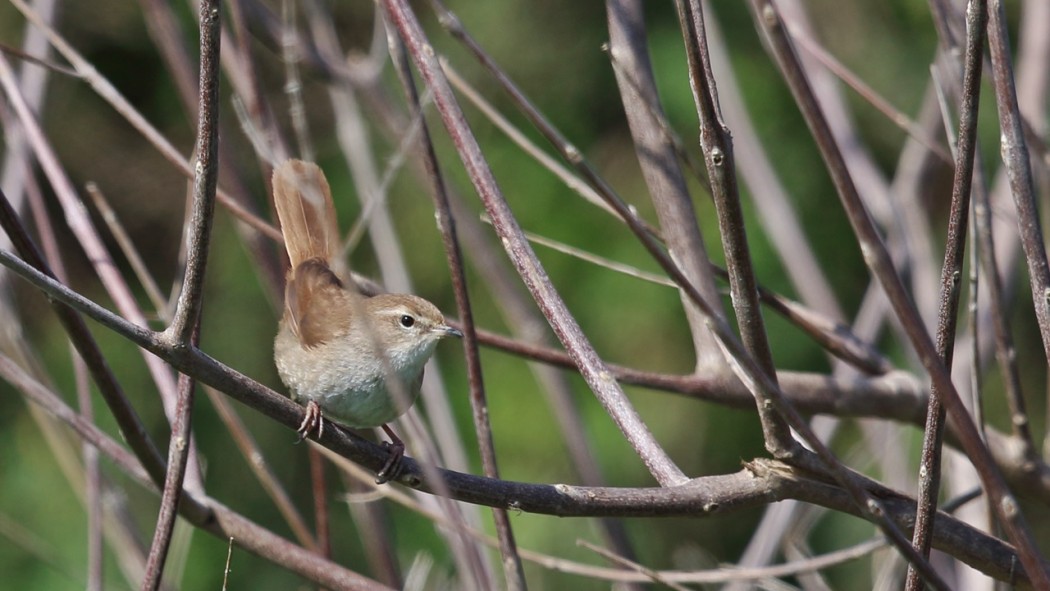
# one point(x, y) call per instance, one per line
point(306, 212)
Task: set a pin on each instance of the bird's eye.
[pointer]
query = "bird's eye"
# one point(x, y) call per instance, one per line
point(407, 321)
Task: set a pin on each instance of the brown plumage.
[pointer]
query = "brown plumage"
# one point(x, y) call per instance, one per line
point(336, 349)
point(305, 209)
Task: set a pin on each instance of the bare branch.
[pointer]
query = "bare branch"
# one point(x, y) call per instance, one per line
point(524, 259)
point(877, 258)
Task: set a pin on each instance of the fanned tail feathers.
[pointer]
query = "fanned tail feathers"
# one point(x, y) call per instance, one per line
point(306, 212)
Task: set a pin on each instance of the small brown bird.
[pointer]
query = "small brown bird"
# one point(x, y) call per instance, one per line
point(336, 349)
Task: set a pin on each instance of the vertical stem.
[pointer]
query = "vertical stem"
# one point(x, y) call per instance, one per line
point(184, 330)
point(513, 571)
point(178, 455)
point(92, 483)
point(951, 281)
point(717, 146)
point(320, 490)
point(876, 256)
point(1019, 169)
point(658, 160)
point(592, 368)
point(205, 178)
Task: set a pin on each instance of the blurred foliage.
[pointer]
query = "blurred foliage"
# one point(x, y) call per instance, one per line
point(552, 49)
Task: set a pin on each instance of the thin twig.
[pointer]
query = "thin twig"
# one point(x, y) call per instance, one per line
point(205, 179)
point(249, 448)
point(774, 204)
point(127, 419)
point(513, 571)
point(717, 146)
point(702, 496)
point(127, 247)
point(43, 63)
point(92, 483)
point(1019, 170)
point(869, 94)
point(319, 488)
point(520, 139)
point(291, 55)
point(877, 258)
point(836, 338)
point(565, 326)
point(184, 329)
point(631, 565)
point(178, 453)
point(166, 32)
point(951, 279)
point(659, 165)
point(1005, 351)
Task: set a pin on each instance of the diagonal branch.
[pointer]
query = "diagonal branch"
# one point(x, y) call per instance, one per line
point(1019, 169)
point(878, 260)
point(513, 571)
point(763, 482)
point(951, 278)
point(717, 146)
point(592, 368)
point(658, 160)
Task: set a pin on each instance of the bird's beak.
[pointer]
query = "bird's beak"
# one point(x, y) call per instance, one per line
point(448, 331)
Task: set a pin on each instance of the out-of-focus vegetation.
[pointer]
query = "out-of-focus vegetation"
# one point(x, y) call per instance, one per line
point(553, 51)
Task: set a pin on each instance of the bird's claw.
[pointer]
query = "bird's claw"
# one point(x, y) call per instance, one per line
point(313, 421)
point(392, 468)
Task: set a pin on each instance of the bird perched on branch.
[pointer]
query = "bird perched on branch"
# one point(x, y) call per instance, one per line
point(352, 359)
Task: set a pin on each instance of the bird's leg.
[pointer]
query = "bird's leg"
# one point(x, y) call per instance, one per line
point(392, 468)
point(312, 421)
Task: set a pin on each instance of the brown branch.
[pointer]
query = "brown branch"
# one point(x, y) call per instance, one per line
point(513, 571)
point(877, 258)
point(1019, 171)
point(951, 278)
point(701, 496)
point(205, 178)
point(178, 454)
point(717, 146)
point(592, 368)
point(657, 158)
point(184, 330)
point(776, 211)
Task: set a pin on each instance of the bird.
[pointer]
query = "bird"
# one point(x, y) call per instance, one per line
point(352, 359)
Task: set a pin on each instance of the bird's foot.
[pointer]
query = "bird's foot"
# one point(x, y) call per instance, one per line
point(392, 468)
point(313, 421)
